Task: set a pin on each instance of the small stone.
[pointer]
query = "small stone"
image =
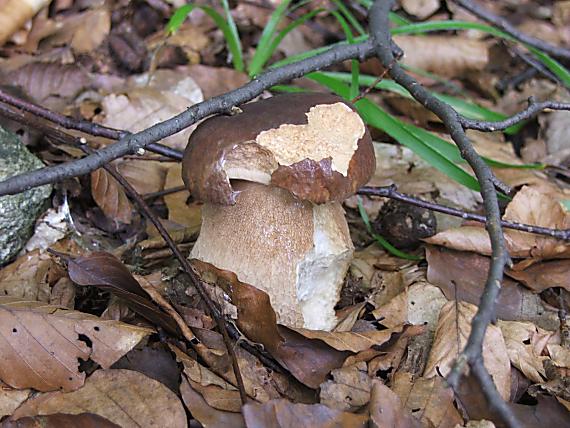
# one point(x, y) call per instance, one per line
point(18, 213)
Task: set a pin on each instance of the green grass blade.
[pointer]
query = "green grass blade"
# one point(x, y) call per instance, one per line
point(228, 29)
point(261, 57)
point(349, 17)
point(263, 49)
point(467, 109)
point(379, 239)
point(233, 35)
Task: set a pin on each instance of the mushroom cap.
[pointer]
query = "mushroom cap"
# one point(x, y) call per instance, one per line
point(314, 145)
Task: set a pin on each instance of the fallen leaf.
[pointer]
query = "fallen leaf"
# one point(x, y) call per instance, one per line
point(386, 409)
point(348, 390)
point(453, 329)
point(529, 206)
point(41, 344)
point(110, 196)
point(525, 344)
point(540, 276)
point(189, 215)
point(214, 81)
point(10, 399)
point(205, 414)
point(150, 99)
point(125, 397)
point(26, 277)
point(420, 8)
point(430, 400)
point(462, 276)
point(144, 175)
point(284, 414)
point(61, 420)
point(105, 271)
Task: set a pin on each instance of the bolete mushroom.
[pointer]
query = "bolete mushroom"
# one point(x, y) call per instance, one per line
point(273, 178)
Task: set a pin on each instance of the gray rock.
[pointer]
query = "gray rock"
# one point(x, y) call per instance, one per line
point(18, 213)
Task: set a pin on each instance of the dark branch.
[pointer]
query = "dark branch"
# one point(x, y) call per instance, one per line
point(380, 35)
point(223, 103)
point(392, 193)
point(510, 29)
point(532, 110)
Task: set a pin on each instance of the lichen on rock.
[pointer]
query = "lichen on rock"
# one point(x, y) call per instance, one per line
point(18, 213)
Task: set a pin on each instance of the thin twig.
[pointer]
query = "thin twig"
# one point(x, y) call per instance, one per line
point(510, 29)
point(195, 279)
point(532, 110)
point(222, 103)
point(84, 126)
point(391, 193)
point(380, 35)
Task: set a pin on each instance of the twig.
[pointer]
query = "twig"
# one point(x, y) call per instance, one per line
point(163, 192)
point(392, 193)
point(222, 103)
point(504, 25)
point(380, 35)
point(84, 126)
point(532, 110)
point(195, 279)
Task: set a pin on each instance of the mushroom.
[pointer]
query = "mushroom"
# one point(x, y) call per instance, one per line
point(273, 178)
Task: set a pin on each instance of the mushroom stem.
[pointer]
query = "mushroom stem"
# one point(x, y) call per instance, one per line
point(295, 251)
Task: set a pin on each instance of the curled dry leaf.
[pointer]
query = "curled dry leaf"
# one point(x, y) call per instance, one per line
point(284, 414)
point(217, 392)
point(462, 276)
point(431, 400)
point(103, 270)
point(10, 399)
point(309, 361)
point(525, 344)
point(152, 99)
point(448, 57)
point(144, 175)
point(386, 409)
point(110, 197)
point(349, 389)
point(26, 277)
point(206, 415)
point(529, 206)
point(125, 397)
point(453, 329)
point(61, 420)
point(543, 275)
point(40, 345)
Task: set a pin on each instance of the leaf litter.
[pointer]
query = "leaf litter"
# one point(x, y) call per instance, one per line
point(105, 330)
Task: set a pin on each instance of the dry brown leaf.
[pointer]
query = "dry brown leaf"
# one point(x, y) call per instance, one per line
point(40, 344)
point(349, 389)
point(61, 420)
point(214, 81)
point(94, 27)
point(284, 414)
point(206, 415)
point(453, 329)
point(525, 344)
point(110, 197)
point(386, 409)
point(428, 399)
point(152, 99)
point(529, 206)
point(540, 276)
point(446, 56)
point(218, 393)
point(189, 215)
point(308, 360)
point(125, 397)
point(52, 85)
point(10, 399)
point(26, 277)
point(560, 355)
point(462, 276)
point(145, 176)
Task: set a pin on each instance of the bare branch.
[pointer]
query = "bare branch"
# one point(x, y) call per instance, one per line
point(391, 193)
point(380, 34)
point(223, 103)
point(510, 29)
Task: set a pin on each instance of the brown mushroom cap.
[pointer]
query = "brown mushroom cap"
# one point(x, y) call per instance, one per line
point(314, 145)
